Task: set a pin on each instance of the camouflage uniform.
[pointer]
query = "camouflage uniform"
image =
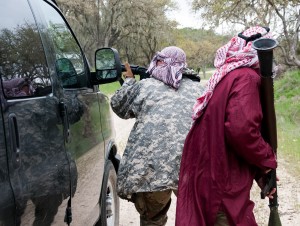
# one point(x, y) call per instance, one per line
point(151, 159)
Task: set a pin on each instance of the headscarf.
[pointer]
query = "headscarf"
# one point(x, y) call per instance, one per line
point(14, 87)
point(170, 72)
point(236, 53)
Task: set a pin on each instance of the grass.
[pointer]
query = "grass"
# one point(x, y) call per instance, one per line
point(287, 104)
point(110, 88)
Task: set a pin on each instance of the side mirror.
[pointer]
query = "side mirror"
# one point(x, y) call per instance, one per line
point(108, 66)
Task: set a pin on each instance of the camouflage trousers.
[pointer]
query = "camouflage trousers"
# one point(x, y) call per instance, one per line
point(153, 207)
point(221, 219)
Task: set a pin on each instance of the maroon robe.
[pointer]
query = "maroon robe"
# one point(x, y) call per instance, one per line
point(222, 154)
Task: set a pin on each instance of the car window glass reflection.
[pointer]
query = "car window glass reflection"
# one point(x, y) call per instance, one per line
point(23, 67)
point(67, 52)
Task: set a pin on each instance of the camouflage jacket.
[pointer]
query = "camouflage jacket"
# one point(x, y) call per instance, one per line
point(151, 159)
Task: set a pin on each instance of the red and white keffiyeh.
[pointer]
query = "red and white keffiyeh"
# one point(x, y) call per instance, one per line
point(170, 72)
point(236, 53)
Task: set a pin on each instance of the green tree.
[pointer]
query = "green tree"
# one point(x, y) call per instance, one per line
point(148, 30)
point(22, 55)
point(135, 28)
point(282, 16)
point(200, 46)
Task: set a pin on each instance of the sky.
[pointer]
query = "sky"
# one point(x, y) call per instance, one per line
point(187, 18)
point(184, 16)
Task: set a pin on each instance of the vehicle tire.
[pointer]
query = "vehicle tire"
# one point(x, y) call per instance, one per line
point(110, 205)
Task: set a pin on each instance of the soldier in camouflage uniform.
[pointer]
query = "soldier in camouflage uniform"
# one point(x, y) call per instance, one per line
point(162, 106)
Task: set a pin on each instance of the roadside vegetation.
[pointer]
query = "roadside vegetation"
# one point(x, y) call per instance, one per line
point(110, 88)
point(138, 29)
point(287, 104)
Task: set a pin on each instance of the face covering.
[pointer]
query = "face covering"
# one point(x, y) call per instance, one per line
point(169, 71)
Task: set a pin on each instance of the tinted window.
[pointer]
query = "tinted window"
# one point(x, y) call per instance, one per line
point(23, 67)
point(69, 60)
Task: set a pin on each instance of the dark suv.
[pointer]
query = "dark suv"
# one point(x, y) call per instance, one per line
point(58, 159)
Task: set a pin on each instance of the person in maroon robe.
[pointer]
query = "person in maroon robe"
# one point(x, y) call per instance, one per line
point(224, 150)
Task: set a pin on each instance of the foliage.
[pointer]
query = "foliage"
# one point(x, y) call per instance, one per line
point(200, 46)
point(63, 40)
point(287, 95)
point(287, 103)
point(282, 16)
point(147, 30)
point(22, 54)
point(135, 28)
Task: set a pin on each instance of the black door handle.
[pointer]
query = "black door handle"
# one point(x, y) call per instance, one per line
point(65, 119)
point(14, 140)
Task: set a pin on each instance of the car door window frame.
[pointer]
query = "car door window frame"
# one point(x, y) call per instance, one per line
point(86, 73)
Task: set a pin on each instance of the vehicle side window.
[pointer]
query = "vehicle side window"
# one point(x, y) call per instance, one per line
point(23, 67)
point(69, 59)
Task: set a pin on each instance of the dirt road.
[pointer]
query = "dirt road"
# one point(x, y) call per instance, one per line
point(288, 191)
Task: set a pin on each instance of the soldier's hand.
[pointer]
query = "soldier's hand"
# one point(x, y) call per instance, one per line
point(272, 191)
point(264, 180)
point(270, 194)
point(128, 73)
